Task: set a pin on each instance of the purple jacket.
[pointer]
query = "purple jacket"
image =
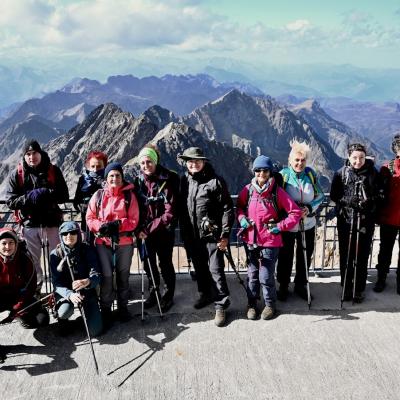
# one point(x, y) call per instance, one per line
point(260, 210)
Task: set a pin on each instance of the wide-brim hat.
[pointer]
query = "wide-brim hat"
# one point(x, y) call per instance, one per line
point(193, 153)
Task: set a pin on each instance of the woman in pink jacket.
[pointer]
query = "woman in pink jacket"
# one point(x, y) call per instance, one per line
point(260, 207)
point(113, 215)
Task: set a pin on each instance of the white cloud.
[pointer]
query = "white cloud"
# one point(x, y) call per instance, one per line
point(298, 25)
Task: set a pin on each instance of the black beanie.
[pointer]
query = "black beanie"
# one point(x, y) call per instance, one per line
point(32, 145)
point(114, 166)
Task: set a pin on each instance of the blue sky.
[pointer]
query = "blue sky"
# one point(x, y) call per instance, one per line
point(110, 34)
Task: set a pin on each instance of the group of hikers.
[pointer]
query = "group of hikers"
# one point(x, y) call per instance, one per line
point(275, 213)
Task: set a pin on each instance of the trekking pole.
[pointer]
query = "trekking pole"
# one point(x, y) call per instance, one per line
point(114, 244)
point(303, 244)
point(358, 216)
point(146, 256)
point(142, 273)
point(82, 311)
point(347, 258)
point(34, 303)
point(232, 264)
point(43, 246)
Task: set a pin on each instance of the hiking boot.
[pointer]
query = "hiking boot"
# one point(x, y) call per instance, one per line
point(124, 315)
point(202, 302)
point(301, 291)
point(283, 292)
point(348, 295)
point(358, 297)
point(251, 313)
point(107, 317)
point(166, 303)
point(64, 327)
point(151, 301)
point(380, 283)
point(268, 312)
point(220, 317)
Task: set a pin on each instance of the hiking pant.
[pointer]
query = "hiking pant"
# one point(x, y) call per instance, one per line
point(65, 309)
point(160, 245)
point(208, 262)
point(261, 272)
point(388, 235)
point(33, 238)
point(123, 261)
point(285, 259)
point(364, 247)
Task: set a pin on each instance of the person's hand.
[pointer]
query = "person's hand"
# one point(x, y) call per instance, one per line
point(275, 230)
point(244, 223)
point(222, 244)
point(104, 231)
point(304, 211)
point(10, 318)
point(76, 298)
point(35, 196)
point(80, 284)
point(142, 235)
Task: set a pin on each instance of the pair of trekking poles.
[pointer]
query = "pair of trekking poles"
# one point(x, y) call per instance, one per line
point(358, 230)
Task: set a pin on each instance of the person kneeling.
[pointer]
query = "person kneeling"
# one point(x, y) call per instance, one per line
point(18, 283)
point(75, 277)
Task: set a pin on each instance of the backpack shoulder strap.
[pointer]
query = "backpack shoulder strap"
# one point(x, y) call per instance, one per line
point(250, 190)
point(20, 175)
point(127, 200)
point(51, 175)
point(313, 178)
point(274, 195)
point(391, 167)
point(99, 197)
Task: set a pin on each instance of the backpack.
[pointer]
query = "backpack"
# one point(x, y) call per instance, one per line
point(278, 182)
point(99, 197)
point(310, 173)
point(51, 178)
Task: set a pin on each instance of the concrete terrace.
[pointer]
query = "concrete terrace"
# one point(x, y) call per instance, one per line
point(322, 353)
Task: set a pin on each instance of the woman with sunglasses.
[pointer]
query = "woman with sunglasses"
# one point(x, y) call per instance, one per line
point(158, 193)
point(260, 208)
point(73, 255)
point(301, 184)
point(113, 216)
point(355, 190)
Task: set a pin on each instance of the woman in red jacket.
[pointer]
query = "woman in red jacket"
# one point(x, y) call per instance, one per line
point(389, 217)
point(18, 283)
point(113, 215)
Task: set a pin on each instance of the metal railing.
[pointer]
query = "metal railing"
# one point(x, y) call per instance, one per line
point(325, 257)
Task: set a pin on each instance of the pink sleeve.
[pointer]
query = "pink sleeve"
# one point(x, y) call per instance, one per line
point(289, 205)
point(92, 219)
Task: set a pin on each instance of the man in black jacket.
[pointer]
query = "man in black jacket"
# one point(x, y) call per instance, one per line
point(34, 191)
point(206, 220)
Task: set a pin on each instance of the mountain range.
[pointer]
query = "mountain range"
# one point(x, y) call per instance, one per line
point(238, 122)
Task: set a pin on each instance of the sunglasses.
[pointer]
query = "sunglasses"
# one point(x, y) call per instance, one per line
point(69, 233)
point(261, 170)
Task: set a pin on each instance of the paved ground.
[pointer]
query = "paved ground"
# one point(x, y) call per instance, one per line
point(324, 353)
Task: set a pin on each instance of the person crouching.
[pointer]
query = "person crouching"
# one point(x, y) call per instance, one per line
point(80, 258)
point(18, 281)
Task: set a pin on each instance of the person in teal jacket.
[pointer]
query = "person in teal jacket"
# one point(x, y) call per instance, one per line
point(301, 183)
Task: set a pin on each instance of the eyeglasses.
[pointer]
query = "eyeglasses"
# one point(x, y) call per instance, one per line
point(261, 170)
point(73, 233)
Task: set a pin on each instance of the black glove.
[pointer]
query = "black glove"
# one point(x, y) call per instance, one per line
point(110, 228)
point(37, 196)
point(9, 318)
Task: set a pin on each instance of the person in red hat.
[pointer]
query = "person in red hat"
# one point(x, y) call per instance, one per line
point(18, 283)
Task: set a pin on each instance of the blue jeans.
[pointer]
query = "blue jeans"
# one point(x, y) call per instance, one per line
point(65, 309)
point(261, 271)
